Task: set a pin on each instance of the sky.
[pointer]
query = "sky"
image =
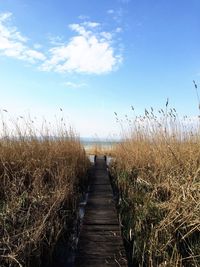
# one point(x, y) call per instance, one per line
point(93, 58)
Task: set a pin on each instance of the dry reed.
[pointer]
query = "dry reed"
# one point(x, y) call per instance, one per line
point(157, 172)
point(41, 178)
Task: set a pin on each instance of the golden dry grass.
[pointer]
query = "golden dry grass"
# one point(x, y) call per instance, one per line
point(157, 172)
point(41, 179)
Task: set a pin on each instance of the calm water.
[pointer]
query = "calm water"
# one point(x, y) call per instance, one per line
point(91, 143)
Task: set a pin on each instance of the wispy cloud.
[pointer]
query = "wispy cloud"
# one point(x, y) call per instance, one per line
point(14, 44)
point(37, 46)
point(89, 51)
point(74, 85)
point(116, 14)
point(118, 30)
point(110, 11)
point(83, 17)
point(124, 1)
point(91, 24)
point(55, 40)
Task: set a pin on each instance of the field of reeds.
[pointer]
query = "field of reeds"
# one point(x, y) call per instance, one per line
point(157, 174)
point(41, 178)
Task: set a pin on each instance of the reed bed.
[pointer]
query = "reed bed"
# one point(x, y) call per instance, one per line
point(41, 179)
point(157, 172)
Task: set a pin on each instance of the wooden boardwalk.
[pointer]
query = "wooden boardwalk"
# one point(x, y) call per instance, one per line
point(100, 242)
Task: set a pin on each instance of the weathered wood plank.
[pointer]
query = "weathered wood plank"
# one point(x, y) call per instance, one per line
point(100, 242)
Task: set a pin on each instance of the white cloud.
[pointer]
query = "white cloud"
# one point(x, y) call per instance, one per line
point(79, 29)
point(5, 16)
point(91, 24)
point(74, 85)
point(13, 43)
point(33, 54)
point(55, 40)
point(106, 35)
point(86, 52)
point(90, 50)
point(83, 17)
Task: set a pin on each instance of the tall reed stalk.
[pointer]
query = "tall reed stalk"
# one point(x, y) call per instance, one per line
point(42, 175)
point(157, 172)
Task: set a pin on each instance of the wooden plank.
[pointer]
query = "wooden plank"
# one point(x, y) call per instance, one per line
point(100, 242)
point(97, 261)
point(100, 262)
point(109, 238)
point(101, 228)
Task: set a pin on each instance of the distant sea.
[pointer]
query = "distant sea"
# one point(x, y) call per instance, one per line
point(104, 143)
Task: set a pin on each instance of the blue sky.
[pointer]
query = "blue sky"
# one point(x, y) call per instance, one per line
point(94, 58)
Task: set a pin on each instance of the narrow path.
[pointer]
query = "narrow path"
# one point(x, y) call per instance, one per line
point(100, 242)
